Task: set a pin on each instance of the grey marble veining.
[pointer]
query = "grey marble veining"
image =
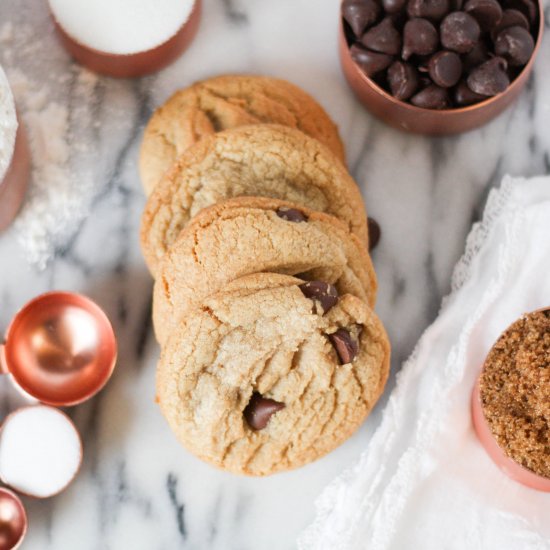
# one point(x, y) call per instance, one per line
point(138, 489)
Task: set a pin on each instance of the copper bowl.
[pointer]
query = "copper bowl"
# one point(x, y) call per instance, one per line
point(14, 184)
point(136, 64)
point(60, 348)
point(510, 467)
point(13, 520)
point(407, 117)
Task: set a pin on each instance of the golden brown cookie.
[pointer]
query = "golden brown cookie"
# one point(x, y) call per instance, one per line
point(249, 235)
point(227, 102)
point(262, 160)
point(258, 379)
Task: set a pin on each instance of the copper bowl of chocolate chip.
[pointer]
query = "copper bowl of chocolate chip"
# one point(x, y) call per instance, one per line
point(439, 67)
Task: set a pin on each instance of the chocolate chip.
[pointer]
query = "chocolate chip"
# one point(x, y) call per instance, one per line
point(487, 13)
point(419, 37)
point(369, 62)
point(432, 97)
point(374, 233)
point(402, 79)
point(424, 70)
point(516, 45)
point(259, 411)
point(346, 347)
point(459, 32)
point(463, 96)
point(383, 38)
point(476, 56)
point(319, 291)
point(430, 9)
point(445, 68)
point(425, 81)
point(510, 18)
point(528, 7)
point(490, 78)
point(394, 6)
point(360, 14)
point(291, 214)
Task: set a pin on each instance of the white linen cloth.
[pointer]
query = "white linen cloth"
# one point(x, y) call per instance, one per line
point(425, 482)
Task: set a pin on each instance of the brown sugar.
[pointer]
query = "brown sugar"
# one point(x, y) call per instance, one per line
point(515, 391)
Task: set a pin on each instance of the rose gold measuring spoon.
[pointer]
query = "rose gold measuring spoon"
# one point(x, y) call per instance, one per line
point(60, 349)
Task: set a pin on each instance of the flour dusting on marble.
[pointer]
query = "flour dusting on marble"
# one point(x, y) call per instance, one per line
point(59, 197)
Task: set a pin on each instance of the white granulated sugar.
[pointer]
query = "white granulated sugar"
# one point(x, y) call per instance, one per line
point(62, 186)
point(121, 26)
point(8, 125)
point(40, 451)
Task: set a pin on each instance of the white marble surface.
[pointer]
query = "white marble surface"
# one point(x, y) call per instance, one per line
point(138, 489)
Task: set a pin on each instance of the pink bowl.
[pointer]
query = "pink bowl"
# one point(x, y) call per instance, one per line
point(510, 467)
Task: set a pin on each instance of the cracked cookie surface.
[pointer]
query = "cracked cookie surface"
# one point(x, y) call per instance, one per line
point(248, 235)
point(259, 339)
point(226, 102)
point(262, 160)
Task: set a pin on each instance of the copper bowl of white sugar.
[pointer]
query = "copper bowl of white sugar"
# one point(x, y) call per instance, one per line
point(126, 38)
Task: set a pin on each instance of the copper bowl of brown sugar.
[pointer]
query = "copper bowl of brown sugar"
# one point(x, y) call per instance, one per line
point(511, 401)
point(375, 92)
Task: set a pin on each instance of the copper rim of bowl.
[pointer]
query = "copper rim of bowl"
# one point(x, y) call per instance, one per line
point(22, 515)
point(14, 184)
point(510, 467)
point(135, 64)
point(68, 299)
point(81, 449)
point(512, 89)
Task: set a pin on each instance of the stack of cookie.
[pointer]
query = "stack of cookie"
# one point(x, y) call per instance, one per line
point(257, 238)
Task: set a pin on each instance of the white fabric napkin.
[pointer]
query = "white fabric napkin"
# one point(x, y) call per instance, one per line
point(425, 482)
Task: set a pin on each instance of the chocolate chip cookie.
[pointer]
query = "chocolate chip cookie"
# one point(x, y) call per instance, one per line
point(249, 235)
point(266, 375)
point(227, 102)
point(261, 160)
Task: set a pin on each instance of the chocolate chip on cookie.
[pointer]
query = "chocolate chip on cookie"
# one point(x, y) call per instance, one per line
point(263, 160)
point(260, 409)
point(248, 381)
point(319, 291)
point(374, 233)
point(243, 235)
point(344, 344)
point(291, 215)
